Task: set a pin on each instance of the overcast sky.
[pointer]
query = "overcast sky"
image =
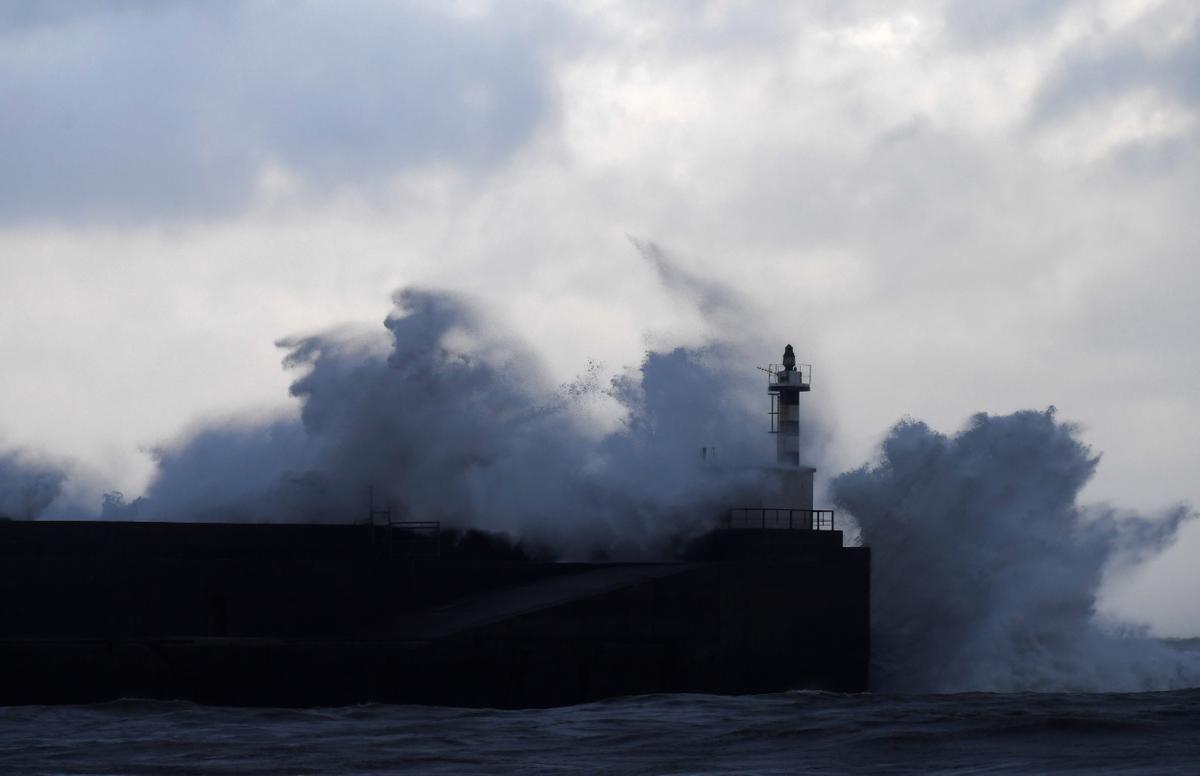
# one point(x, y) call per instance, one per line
point(948, 207)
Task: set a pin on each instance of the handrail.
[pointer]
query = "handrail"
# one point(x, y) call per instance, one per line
point(416, 526)
point(743, 518)
point(418, 538)
point(773, 370)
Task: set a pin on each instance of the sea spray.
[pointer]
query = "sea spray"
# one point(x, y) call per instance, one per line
point(28, 485)
point(986, 570)
point(456, 422)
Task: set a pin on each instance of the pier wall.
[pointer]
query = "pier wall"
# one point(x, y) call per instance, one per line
point(328, 615)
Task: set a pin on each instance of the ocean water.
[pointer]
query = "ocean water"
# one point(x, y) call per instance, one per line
point(799, 732)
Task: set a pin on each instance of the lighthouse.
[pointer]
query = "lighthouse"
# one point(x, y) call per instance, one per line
point(785, 382)
point(785, 385)
point(784, 498)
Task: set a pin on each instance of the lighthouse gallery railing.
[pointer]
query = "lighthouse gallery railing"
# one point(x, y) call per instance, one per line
point(770, 517)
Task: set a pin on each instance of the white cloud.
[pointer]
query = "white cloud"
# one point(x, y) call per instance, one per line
point(1142, 117)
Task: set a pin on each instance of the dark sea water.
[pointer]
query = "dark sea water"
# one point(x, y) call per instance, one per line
point(784, 733)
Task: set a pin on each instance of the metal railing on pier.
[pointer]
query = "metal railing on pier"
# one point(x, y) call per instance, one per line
point(404, 538)
point(414, 539)
point(778, 518)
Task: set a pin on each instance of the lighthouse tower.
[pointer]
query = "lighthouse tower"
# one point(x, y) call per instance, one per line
point(784, 498)
point(785, 383)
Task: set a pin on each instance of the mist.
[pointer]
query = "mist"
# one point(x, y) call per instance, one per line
point(986, 570)
point(28, 485)
point(451, 418)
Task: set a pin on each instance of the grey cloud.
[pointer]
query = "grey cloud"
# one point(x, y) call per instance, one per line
point(975, 24)
point(1116, 64)
point(22, 16)
point(173, 110)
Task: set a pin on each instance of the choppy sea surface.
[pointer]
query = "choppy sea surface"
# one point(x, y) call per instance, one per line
point(799, 732)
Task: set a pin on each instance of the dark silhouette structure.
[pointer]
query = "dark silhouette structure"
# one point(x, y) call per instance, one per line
point(405, 612)
point(292, 615)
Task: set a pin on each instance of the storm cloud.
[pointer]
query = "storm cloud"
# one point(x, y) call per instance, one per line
point(131, 110)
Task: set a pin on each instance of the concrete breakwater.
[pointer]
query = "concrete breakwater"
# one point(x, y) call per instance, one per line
point(298, 615)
